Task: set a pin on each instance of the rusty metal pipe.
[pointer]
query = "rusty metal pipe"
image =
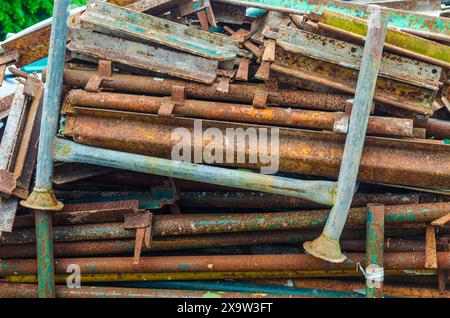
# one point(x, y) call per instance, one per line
point(243, 93)
point(283, 117)
point(435, 127)
point(418, 163)
point(257, 200)
point(171, 225)
point(389, 290)
point(221, 263)
point(30, 291)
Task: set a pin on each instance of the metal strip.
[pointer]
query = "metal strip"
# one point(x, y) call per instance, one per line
point(392, 92)
point(129, 24)
point(143, 56)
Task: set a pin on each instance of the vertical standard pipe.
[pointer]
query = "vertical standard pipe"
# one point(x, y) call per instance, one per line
point(374, 251)
point(52, 97)
point(42, 199)
point(326, 246)
point(44, 248)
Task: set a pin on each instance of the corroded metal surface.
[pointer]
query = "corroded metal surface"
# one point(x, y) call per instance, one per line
point(143, 56)
point(129, 24)
point(173, 225)
point(415, 163)
point(389, 91)
point(234, 112)
point(398, 18)
point(228, 263)
point(30, 291)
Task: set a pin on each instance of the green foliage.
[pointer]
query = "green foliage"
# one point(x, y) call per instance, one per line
point(16, 15)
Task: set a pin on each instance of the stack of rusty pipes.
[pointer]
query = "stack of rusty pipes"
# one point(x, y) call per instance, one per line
point(322, 79)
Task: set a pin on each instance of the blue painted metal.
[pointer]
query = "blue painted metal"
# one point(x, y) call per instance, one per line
point(37, 66)
point(50, 120)
point(326, 246)
point(317, 191)
point(241, 287)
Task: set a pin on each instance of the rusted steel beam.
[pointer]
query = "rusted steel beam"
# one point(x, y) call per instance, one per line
point(331, 31)
point(170, 225)
point(413, 163)
point(257, 200)
point(30, 291)
point(236, 113)
point(96, 47)
point(389, 290)
point(399, 94)
point(243, 93)
point(227, 263)
point(394, 36)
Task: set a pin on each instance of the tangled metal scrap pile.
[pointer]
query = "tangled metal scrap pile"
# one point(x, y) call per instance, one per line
point(136, 71)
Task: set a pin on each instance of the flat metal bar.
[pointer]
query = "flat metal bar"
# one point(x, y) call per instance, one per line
point(50, 120)
point(429, 7)
point(350, 55)
point(143, 56)
point(398, 18)
point(374, 251)
point(8, 208)
point(129, 24)
point(10, 136)
point(326, 246)
point(318, 191)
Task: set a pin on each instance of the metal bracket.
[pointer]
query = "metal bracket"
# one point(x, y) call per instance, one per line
point(430, 248)
point(178, 93)
point(260, 99)
point(225, 77)
point(142, 222)
point(104, 74)
point(242, 72)
point(166, 109)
